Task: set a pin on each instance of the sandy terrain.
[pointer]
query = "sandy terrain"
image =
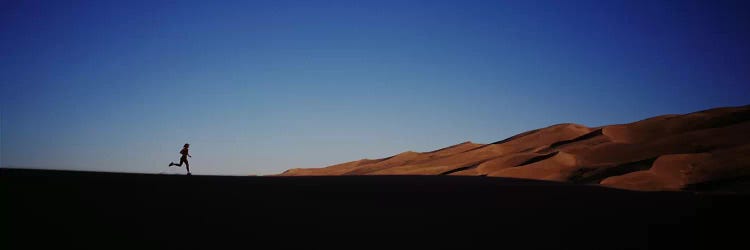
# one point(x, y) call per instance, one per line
point(669, 152)
point(88, 210)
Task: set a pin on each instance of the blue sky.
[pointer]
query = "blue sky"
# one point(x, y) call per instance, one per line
point(258, 87)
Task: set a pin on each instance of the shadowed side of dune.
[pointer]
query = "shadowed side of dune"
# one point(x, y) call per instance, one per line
point(63, 209)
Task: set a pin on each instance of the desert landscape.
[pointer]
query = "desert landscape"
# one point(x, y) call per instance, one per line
point(383, 125)
point(566, 186)
point(695, 151)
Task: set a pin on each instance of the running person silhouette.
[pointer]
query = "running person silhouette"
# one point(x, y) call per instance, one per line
point(185, 155)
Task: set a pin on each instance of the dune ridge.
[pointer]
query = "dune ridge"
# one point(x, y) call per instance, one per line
point(667, 152)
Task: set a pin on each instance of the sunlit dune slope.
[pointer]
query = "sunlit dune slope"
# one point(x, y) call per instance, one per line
point(669, 152)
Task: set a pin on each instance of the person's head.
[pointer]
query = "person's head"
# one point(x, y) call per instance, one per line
point(187, 145)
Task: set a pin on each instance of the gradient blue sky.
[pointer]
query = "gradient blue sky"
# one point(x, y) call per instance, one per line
point(260, 87)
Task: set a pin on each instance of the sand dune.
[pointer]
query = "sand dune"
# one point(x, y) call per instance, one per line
point(668, 152)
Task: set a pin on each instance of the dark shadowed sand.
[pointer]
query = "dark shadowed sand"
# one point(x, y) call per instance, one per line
point(113, 210)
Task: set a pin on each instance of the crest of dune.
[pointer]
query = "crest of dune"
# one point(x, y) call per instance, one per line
point(557, 167)
point(668, 152)
point(666, 173)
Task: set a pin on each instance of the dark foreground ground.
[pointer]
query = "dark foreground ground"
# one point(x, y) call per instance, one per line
point(130, 211)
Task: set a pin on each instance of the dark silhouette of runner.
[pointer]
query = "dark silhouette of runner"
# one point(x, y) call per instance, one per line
point(185, 155)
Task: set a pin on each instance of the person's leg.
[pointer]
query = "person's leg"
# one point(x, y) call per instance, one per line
point(187, 166)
